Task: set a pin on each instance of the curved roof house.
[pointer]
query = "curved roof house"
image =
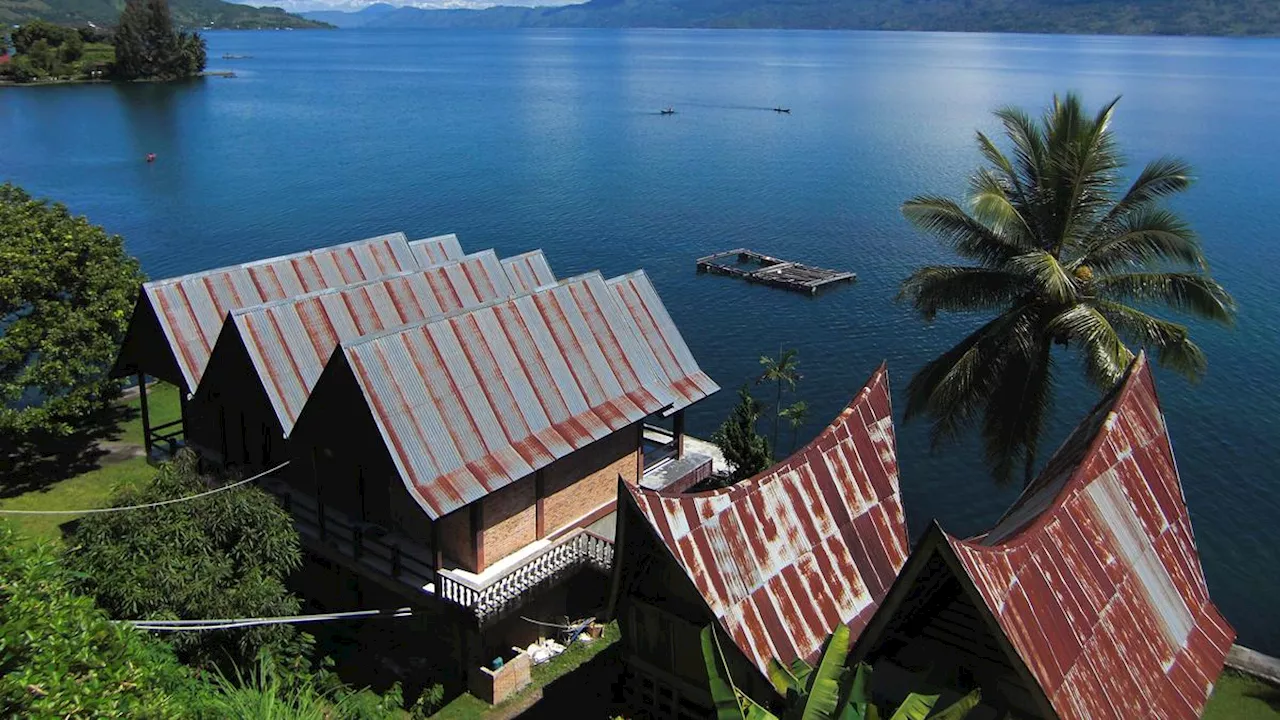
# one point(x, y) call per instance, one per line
point(780, 558)
point(1089, 594)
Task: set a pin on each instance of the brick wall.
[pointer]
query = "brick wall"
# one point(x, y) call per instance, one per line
point(456, 540)
point(583, 481)
point(510, 520)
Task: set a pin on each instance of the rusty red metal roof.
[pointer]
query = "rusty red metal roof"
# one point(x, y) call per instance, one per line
point(472, 402)
point(438, 249)
point(816, 540)
point(192, 308)
point(1093, 574)
point(640, 300)
point(528, 271)
point(290, 341)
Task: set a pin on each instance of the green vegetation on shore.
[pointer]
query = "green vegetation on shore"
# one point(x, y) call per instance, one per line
point(195, 14)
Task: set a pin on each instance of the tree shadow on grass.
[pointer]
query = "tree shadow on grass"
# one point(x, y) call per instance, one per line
point(591, 691)
point(1268, 694)
point(45, 460)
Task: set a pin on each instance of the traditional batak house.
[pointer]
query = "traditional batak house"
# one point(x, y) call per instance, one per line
point(268, 357)
point(176, 321)
point(774, 562)
point(474, 458)
point(1086, 601)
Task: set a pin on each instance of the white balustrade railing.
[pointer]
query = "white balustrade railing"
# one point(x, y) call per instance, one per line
point(580, 547)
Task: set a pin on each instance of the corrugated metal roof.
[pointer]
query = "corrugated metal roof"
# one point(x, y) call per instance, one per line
point(816, 540)
point(473, 402)
point(685, 379)
point(438, 249)
point(290, 341)
point(528, 271)
point(191, 308)
point(1094, 577)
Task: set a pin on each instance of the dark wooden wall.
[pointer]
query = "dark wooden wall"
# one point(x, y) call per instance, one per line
point(337, 452)
point(230, 417)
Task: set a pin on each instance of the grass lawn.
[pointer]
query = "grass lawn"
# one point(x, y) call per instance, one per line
point(162, 404)
point(467, 707)
point(95, 487)
point(87, 490)
point(1239, 697)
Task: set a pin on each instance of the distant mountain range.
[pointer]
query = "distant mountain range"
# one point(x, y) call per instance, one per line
point(186, 13)
point(1119, 17)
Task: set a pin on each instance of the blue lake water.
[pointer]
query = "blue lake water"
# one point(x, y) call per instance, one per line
point(551, 139)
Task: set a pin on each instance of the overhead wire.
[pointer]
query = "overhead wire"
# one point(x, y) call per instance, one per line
point(188, 498)
point(233, 623)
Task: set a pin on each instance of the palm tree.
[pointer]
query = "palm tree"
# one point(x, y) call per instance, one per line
point(1059, 254)
point(796, 414)
point(784, 370)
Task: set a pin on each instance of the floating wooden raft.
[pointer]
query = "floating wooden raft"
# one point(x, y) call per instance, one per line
point(772, 271)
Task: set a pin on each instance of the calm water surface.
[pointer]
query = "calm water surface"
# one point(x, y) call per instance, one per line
point(551, 139)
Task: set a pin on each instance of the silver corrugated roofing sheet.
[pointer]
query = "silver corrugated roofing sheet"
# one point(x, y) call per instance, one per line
point(528, 271)
point(290, 341)
point(438, 249)
point(191, 308)
point(473, 402)
point(637, 297)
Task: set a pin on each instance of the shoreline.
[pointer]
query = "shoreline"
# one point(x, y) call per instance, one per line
point(107, 81)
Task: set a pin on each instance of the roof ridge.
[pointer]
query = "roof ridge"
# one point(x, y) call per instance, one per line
point(876, 379)
point(278, 258)
point(1099, 423)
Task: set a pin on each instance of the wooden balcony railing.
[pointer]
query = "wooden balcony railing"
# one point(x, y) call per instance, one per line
point(402, 559)
point(486, 600)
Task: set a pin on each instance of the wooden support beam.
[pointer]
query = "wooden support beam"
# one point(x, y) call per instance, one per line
point(678, 431)
point(540, 493)
point(146, 415)
point(437, 549)
point(477, 532)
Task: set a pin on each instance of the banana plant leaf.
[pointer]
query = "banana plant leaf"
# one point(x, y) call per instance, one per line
point(824, 684)
point(859, 701)
point(730, 702)
point(915, 707)
point(960, 708)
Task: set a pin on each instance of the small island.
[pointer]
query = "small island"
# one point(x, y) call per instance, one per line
point(143, 46)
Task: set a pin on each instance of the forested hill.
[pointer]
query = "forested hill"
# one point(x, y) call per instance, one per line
point(1119, 17)
point(186, 13)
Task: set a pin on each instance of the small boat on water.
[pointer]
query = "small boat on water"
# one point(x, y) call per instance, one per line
point(668, 111)
point(151, 157)
point(782, 110)
point(229, 56)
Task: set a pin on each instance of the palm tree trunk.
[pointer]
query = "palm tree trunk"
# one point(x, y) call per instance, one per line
point(1030, 454)
point(777, 418)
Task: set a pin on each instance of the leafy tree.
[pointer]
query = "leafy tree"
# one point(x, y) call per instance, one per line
point(1059, 254)
point(66, 291)
point(826, 692)
point(223, 556)
point(147, 47)
point(783, 370)
point(60, 656)
point(194, 56)
point(743, 447)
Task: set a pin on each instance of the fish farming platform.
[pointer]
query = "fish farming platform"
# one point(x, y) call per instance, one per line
point(767, 270)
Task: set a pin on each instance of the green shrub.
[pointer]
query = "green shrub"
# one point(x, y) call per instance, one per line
point(60, 656)
point(222, 556)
